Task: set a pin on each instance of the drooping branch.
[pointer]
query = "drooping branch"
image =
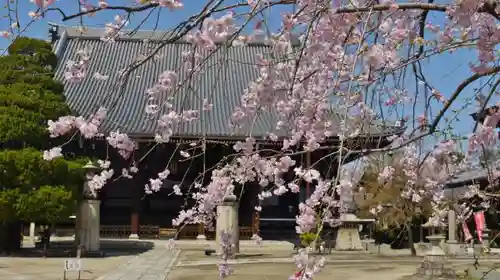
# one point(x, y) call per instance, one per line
point(483, 107)
point(457, 93)
point(437, 120)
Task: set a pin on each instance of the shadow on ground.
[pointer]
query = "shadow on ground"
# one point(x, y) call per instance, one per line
point(65, 249)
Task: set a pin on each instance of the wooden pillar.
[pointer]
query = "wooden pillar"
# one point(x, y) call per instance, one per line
point(255, 214)
point(254, 196)
point(134, 215)
point(308, 186)
point(255, 222)
point(136, 191)
point(134, 226)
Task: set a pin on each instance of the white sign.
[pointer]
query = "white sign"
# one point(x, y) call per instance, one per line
point(72, 265)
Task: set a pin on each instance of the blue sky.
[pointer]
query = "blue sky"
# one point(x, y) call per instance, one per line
point(444, 71)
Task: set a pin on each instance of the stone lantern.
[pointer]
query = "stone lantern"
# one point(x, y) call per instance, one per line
point(435, 264)
point(88, 216)
point(90, 170)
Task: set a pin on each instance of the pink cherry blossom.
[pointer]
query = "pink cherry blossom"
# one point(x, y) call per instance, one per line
point(52, 153)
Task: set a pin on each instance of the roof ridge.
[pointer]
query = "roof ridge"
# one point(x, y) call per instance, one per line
point(95, 33)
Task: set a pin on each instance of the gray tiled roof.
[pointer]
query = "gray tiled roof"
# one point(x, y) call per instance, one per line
point(223, 86)
point(475, 176)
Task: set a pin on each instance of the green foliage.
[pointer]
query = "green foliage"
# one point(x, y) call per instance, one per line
point(39, 51)
point(8, 200)
point(48, 204)
point(30, 187)
point(35, 189)
point(307, 238)
point(29, 96)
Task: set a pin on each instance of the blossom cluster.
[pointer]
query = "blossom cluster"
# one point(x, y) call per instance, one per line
point(113, 30)
point(77, 70)
point(88, 129)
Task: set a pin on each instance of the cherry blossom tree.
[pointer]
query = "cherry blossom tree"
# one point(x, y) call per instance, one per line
point(393, 196)
point(364, 59)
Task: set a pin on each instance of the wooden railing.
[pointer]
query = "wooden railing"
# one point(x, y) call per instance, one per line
point(115, 231)
point(188, 232)
point(246, 233)
point(155, 232)
point(149, 231)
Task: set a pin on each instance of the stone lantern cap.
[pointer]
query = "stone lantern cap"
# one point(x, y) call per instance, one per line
point(89, 167)
point(230, 198)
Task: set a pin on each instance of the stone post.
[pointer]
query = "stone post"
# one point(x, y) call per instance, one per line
point(32, 233)
point(201, 232)
point(87, 222)
point(452, 245)
point(90, 224)
point(227, 221)
point(452, 226)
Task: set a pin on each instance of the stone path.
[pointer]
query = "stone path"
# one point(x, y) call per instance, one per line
point(152, 265)
point(484, 274)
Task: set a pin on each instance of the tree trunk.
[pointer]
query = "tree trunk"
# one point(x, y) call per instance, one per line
point(410, 239)
point(10, 236)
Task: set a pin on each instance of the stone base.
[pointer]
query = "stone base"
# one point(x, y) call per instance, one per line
point(201, 237)
point(436, 267)
point(89, 226)
point(439, 270)
point(369, 245)
point(348, 240)
point(88, 254)
point(453, 248)
point(133, 236)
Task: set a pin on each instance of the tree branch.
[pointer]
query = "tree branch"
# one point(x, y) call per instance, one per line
point(457, 92)
point(402, 6)
point(380, 7)
point(97, 9)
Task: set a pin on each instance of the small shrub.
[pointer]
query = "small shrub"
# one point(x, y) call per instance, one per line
point(307, 238)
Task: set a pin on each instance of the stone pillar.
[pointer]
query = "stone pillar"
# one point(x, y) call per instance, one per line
point(32, 232)
point(452, 226)
point(227, 221)
point(452, 245)
point(89, 234)
point(78, 224)
point(201, 232)
point(134, 226)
